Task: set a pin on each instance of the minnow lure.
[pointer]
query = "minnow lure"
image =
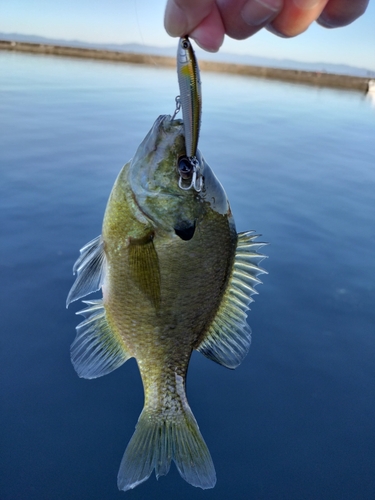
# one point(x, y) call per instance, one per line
point(191, 102)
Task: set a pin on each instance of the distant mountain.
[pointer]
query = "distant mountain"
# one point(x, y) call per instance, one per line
point(340, 69)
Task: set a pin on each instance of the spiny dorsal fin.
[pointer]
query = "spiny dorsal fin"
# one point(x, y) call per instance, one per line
point(89, 268)
point(228, 338)
point(144, 267)
point(97, 348)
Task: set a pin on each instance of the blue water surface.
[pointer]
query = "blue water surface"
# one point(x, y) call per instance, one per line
point(297, 419)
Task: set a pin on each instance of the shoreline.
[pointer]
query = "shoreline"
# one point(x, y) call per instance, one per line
point(314, 78)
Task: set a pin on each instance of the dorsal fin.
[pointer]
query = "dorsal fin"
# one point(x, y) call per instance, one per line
point(228, 338)
point(89, 267)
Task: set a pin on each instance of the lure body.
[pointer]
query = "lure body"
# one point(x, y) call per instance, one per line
point(190, 94)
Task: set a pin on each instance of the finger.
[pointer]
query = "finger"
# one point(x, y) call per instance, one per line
point(296, 17)
point(341, 12)
point(183, 16)
point(243, 18)
point(209, 35)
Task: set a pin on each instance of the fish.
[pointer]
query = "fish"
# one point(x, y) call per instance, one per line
point(175, 277)
point(190, 94)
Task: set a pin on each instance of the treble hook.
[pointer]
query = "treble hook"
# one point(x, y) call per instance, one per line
point(196, 180)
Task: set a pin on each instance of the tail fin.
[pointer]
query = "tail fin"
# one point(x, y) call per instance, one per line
point(157, 441)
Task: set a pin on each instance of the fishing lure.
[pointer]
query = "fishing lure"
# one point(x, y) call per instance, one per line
point(190, 100)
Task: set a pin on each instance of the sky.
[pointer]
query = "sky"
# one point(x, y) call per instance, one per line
point(141, 21)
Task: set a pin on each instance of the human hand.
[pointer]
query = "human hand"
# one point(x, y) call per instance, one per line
point(207, 21)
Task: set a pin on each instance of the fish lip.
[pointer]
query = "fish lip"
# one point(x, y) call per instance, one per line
point(166, 122)
point(160, 119)
point(142, 169)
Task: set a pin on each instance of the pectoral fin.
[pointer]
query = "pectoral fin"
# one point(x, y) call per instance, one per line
point(228, 338)
point(90, 268)
point(144, 267)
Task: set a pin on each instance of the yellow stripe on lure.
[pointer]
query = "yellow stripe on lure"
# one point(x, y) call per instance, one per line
point(190, 94)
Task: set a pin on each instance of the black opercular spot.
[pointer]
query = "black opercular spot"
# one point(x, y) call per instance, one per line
point(185, 167)
point(185, 230)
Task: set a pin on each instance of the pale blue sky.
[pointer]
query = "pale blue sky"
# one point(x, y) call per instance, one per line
point(141, 21)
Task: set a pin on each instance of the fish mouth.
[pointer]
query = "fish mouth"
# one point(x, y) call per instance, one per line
point(164, 123)
point(153, 167)
point(153, 151)
point(161, 121)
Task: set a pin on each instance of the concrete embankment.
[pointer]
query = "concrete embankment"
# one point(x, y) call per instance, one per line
point(290, 75)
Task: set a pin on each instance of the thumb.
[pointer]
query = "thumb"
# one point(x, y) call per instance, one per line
point(183, 16)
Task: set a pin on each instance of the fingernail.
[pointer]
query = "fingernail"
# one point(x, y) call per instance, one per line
point(257, 12)
point(325, 21)
point(274, 31)
point(174, 20)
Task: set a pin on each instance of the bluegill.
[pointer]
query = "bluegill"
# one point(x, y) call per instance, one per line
point(175, 276)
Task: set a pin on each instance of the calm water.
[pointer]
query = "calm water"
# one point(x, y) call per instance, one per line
point(296, 420)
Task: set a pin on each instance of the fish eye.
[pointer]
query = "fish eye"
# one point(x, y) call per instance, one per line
point(185, 44)
point(185, 167)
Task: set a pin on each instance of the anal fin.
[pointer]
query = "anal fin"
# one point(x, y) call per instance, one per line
point(97, 348)
point(228, 338)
